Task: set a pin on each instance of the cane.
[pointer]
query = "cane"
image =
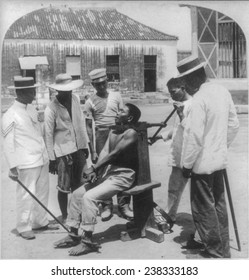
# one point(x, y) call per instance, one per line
point(43, 206)
point(152, 139)
point(231, 207)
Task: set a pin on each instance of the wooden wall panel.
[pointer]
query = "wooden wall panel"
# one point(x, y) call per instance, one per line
point(131, 57)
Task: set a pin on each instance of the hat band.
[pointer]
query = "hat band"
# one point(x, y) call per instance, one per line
point(63, 82)
point(187, 66)
point(24, 83)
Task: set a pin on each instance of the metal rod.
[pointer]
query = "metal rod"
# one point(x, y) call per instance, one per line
point(163, 125)
point(42, 205)
point(231, 207)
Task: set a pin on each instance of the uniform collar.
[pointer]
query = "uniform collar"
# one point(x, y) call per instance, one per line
point(20, 105)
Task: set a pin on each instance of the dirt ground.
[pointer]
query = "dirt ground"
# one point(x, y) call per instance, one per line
point(108, 233)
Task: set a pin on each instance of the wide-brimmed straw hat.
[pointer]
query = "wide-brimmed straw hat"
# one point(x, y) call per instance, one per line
point(98, 75)
point(189, 65)
point(23, 82)
point(64, 82)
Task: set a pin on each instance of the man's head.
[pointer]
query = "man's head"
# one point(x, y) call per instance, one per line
point(129, 114)
point(177, 89)
point(99, 80)
point(192, 73)
point(25, 89)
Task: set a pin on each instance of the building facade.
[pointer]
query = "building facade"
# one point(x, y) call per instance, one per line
point(220, 42)
point(76, 41)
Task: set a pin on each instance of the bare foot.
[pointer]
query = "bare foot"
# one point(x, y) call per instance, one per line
point(67, 242)
point(81, 249)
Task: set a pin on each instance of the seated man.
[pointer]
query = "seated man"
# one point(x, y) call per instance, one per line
point(118, 174)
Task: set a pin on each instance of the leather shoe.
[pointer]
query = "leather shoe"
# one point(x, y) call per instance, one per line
point(193, 245)
point(48, 227)
point(106, 213)
point(126, 212)
point(28, 235)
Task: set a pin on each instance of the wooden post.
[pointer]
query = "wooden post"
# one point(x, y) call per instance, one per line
point(42, 77)
point(143, 202)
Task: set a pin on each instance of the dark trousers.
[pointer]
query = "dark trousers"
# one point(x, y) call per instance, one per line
point(70, 171)
point(210, 213)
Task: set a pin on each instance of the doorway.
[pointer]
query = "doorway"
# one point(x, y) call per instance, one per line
point(150, 73)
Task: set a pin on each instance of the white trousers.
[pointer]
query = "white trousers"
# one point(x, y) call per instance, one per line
point(29, 213)
point(176, 187)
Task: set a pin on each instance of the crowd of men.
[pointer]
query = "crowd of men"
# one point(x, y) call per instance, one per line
point(207, 124)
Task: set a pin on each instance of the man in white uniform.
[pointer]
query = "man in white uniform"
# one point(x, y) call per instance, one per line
point(27, 157)
point(210, 129)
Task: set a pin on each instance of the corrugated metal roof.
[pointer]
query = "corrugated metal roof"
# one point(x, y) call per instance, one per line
point(82, 24)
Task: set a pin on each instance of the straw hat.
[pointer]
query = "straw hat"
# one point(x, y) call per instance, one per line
point(98, 75)
point(64, 82)
point(23, 82)
point(189, 65)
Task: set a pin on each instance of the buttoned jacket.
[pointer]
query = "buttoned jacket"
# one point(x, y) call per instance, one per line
point(63, 134)
point(24, 145)
point(210, 129)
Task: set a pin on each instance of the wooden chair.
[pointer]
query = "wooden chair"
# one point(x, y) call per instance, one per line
point(144, 224)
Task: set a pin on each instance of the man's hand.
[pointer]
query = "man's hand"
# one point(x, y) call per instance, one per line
point(86, 152)
point(152, 140)
point(13, 174)
point(94, 157)
point(90, 174)
point(187, 173)
point(53, 167)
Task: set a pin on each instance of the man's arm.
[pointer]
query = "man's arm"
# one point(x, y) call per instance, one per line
point(233, 123)
point(193, 135)
point(129, 138)
point(89, 129)
point(49, 126)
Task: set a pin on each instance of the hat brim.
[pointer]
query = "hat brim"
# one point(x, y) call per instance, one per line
point(67, 87)
point(34, 86)
point(192, 70)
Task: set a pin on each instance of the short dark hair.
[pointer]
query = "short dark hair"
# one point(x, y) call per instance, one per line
point(134, 111)
point(177, 82)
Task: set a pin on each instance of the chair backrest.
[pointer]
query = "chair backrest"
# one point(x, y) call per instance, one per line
point(143, 175)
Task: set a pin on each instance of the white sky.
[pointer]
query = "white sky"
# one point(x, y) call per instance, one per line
point(164, 16)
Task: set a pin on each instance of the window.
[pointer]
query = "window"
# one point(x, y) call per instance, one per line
point(73, 67)
point(28, 65)
point(112, 68)
point(232, 49)
point(150, 62)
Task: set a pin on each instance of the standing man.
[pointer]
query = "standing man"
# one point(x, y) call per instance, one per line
point(120, 166)
point(103, 107)
point(177, 181)
point(66, 138)
point(211, 127)
point(27, 157)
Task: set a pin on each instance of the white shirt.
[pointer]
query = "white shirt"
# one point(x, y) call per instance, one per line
point(64, 135)
point(103, 110)
point(24, 145)
point(177, 136)
point(211, 127)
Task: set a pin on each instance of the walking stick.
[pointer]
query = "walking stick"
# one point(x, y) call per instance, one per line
point(152, 139)
point(42, 205)
point(231, 207)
